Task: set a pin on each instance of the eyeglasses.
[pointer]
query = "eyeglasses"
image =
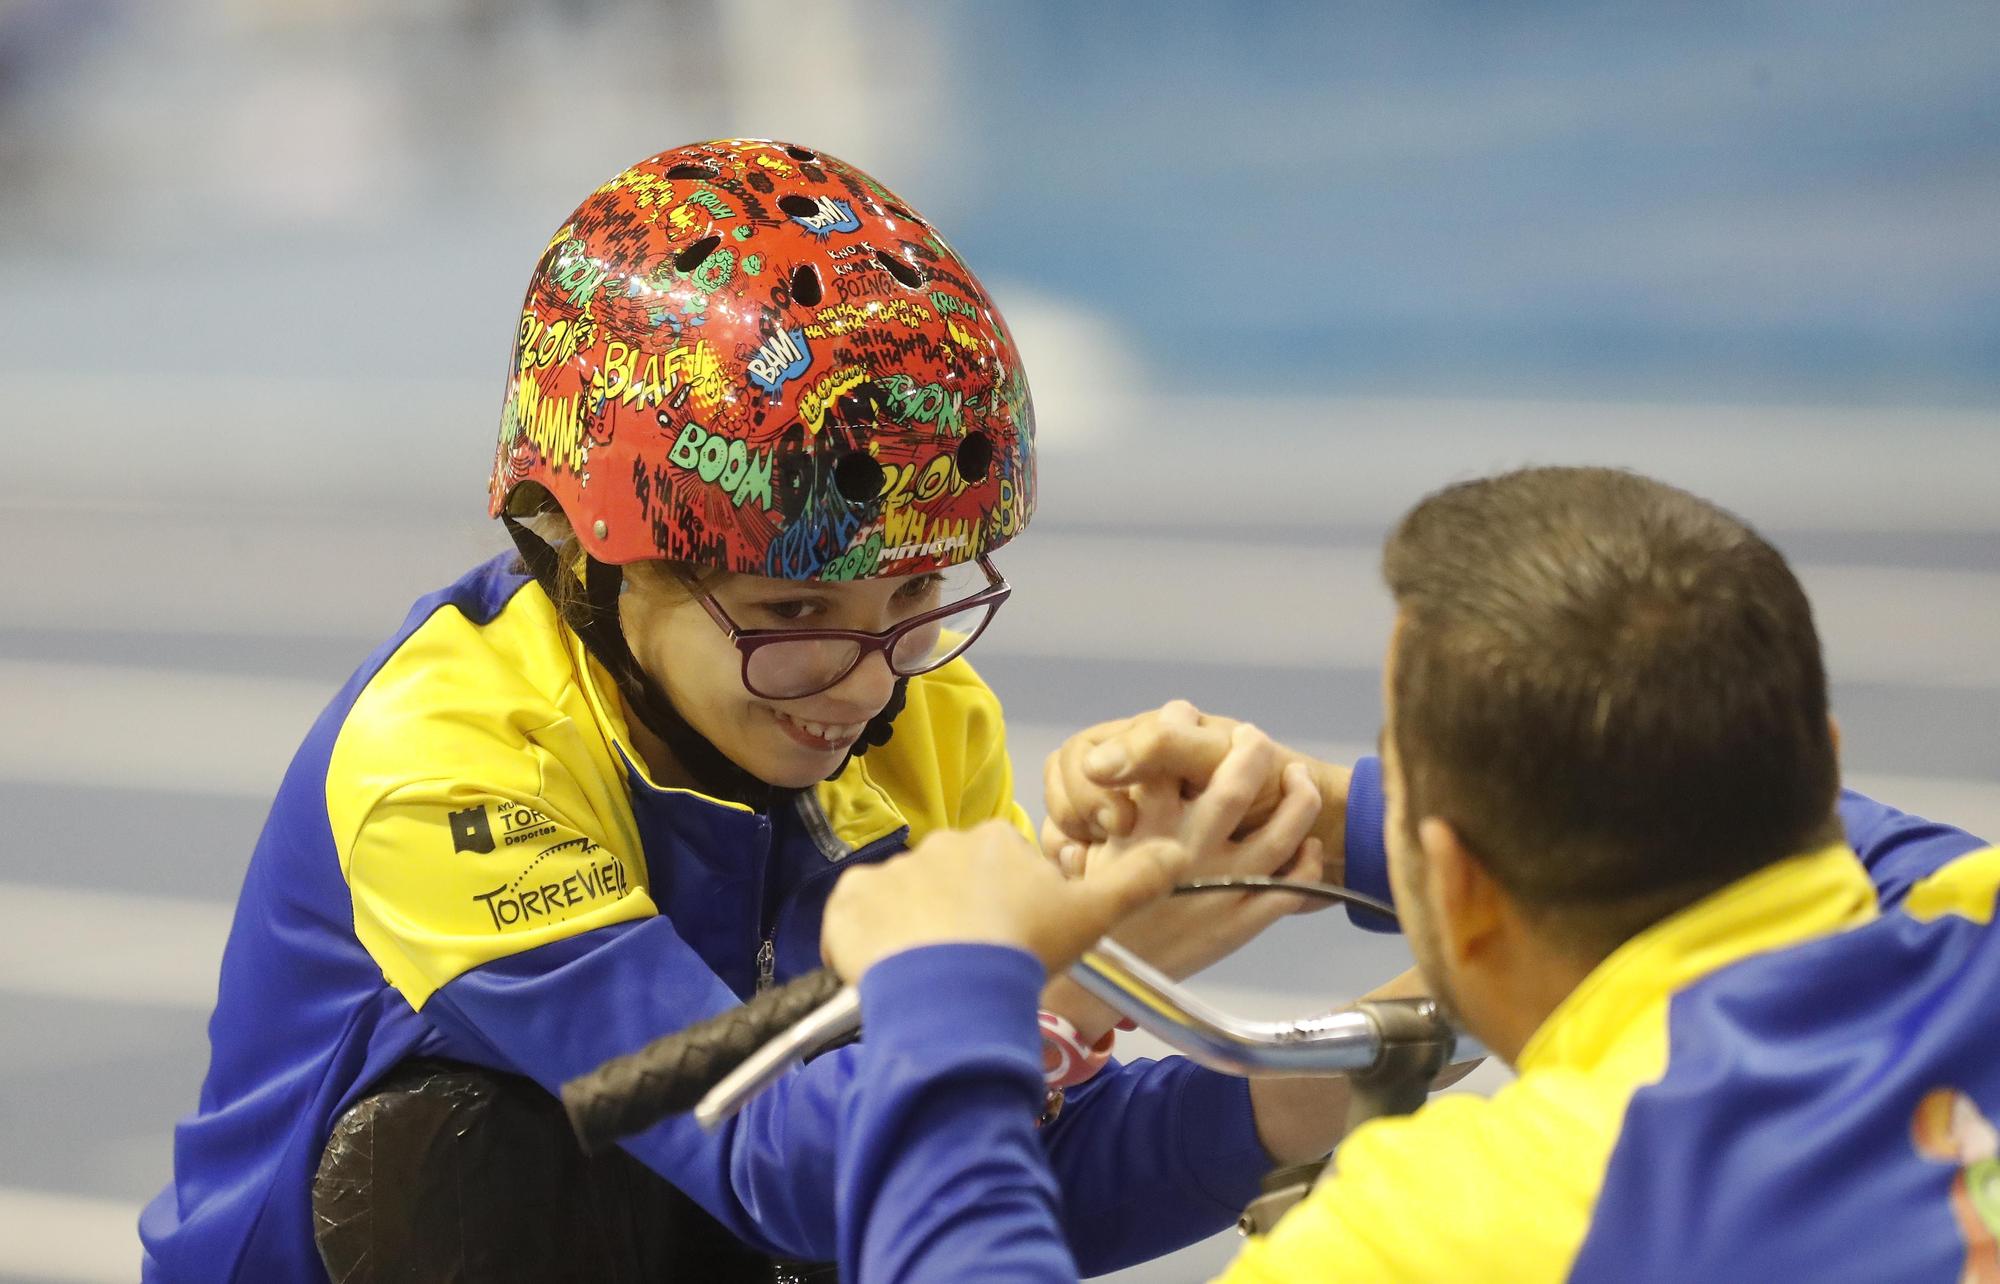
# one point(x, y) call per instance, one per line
point(785, 664)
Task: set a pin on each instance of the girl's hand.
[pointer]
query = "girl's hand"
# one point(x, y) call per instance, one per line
point(1090, 784)
point(1182, 935)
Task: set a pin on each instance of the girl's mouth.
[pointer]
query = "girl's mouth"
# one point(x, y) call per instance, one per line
point(824, 737)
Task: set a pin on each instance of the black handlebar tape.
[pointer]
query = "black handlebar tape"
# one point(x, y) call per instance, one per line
point(670, 1075)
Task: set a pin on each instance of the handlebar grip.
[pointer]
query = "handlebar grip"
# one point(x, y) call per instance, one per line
point(631, 1093)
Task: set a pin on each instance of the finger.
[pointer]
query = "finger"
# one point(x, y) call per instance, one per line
point(1096, 811)
point(1157, 800)
point(848, 909)
point(1053, 838)
point(1156, 806)
point(1076, 804)
point(1141, 873)
point(993, 832)
point(1157, 751)
point(1309, 866)
point(1279, 838)
point(1060, 808)
point(1075, 916)
point(1117, 814)
point(1258, 912)
point(1251, 761)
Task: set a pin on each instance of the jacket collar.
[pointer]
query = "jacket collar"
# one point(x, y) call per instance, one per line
point(1793, 901)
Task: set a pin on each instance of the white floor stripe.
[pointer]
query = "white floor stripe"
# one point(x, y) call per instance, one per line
point(1117, 598)
point(68, 1237)
point(1907, 627)
point(194, 733)
point(1078, 595)
point(357, 447)
point(157, 951)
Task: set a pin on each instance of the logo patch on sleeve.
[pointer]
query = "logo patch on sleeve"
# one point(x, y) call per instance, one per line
point(471, 830)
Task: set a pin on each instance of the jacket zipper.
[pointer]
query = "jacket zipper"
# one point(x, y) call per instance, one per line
point(767, 950)
point(767, 965)
point(867, 854)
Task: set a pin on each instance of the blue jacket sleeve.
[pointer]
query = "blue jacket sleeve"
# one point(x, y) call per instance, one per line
point(941, 1175)
point(1151, 1157)
point(1365, 853)
point(1899, 849)
point(561, 1009)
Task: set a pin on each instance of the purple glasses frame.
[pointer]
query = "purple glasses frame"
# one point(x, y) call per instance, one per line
point(749, 641)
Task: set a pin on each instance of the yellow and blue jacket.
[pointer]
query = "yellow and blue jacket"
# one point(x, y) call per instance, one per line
point(1796, 1078)
point(466, 860)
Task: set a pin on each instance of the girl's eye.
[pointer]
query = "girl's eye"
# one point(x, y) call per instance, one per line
point(786, 610)
point(922, 587)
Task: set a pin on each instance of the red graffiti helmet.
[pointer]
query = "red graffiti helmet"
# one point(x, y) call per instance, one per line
point(751, 356)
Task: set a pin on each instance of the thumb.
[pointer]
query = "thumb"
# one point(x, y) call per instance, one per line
point(1141, 874)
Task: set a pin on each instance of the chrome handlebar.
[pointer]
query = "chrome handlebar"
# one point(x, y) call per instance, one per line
point(1355, 1041)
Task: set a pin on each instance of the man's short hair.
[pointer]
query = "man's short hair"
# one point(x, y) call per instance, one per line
point(1610, 688)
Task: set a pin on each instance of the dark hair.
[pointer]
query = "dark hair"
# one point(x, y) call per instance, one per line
point(1611, 689)
point(567, 592)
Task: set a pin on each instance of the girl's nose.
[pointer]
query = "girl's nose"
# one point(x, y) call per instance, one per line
point(868, 687)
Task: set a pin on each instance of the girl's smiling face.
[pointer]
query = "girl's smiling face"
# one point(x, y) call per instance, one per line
point(791, 743)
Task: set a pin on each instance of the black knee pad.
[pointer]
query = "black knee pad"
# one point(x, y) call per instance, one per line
point(449, 1172)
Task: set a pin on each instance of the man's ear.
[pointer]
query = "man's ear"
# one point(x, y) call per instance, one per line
point(1467, 902)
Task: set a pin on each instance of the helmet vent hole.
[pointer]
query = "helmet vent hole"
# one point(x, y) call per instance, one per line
point(697, 254)
point(858, 477)
point(800, 154)
point(901, 268)
point(805, 285)
point(798, 206)
point(691, 171)
point(975, 456)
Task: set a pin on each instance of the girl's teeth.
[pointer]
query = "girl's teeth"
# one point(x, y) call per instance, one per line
point(827, 731)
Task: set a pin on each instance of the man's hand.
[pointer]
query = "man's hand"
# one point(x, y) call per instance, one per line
point(1089, 782)
point(987, 885)
point(1184, 935)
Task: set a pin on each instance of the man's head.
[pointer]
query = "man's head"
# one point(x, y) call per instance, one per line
point(1605, 700)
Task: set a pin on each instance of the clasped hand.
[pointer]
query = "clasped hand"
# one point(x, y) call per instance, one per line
point(1253, 815)
point(987, 884)
point(1240, 803)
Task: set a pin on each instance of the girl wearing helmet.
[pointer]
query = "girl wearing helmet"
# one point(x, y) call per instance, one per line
point(762, 433)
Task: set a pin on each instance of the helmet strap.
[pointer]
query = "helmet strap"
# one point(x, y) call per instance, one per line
point(595, 620)
point(878, 730)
